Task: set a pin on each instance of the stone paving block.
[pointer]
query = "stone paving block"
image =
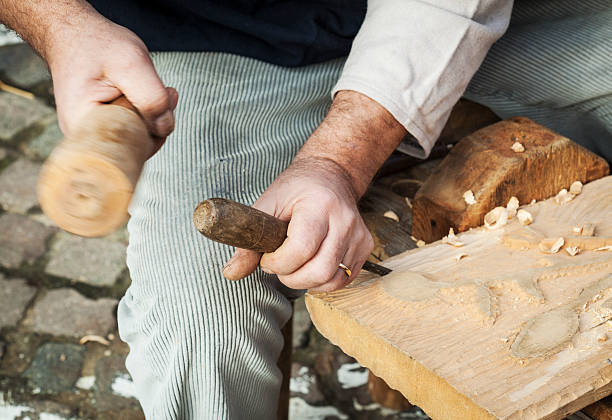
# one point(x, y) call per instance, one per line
point(17, 114)
point(22, 239)
point(21, 67)
point(18, 186)
point(41, 146)
point(95, 261)
point(114, 388)
point(55, 367)
point(302, 324)
point(65, 312)
point(14, 297)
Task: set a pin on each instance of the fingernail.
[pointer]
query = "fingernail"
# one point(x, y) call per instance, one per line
point(164, 124)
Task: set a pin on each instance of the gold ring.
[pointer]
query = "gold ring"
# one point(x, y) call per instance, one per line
point(344, 268)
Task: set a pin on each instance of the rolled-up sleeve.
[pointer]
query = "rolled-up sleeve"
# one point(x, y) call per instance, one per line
point(416, 58)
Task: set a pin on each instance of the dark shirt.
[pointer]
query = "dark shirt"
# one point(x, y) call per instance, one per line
point(285, 32)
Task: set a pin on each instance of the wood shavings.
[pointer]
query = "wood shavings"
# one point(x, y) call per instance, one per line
point(576, 188)
point(532, 201)
point(572, 250)
point(451, 239)
point(458, 257)
point(518, 147)
point(496, 218)
point(512, 207)
point(469, 198)
point(524, 217)
point(604, 248)
point(577, 230)
point(602, 338)
point(551, 245)
point(390, 214)
point(563, 197)
point(94, 338)
point(408, 202)
point(16, 91)
point(420, 243)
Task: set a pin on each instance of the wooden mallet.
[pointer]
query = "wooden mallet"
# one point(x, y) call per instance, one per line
point(87, 182)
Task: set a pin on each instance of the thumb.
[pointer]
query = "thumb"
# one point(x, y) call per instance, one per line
point(242, 263)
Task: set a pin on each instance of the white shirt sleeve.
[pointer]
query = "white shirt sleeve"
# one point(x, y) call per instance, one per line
point(416, 57)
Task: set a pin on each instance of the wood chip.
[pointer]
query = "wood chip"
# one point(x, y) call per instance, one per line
point(408, 202)
point(577, 230)
point(588, 229)
point(572, 250)
point(94, 338)
point(512, 207)
point(420, 243)
point(605, 248)
point(551, 245)
point(390, 214)
point(451, 239)
point(459, 256)
point(563, 197)
point(576, 188)
point(524, 217)
point(469, 198)
point(16, 91)
point(496, 218)
point(518, 147)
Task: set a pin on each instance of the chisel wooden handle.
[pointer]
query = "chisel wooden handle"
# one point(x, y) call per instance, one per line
point(238, 225)
point(244, 227)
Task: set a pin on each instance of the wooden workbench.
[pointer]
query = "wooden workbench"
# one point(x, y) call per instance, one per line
point(457, 337)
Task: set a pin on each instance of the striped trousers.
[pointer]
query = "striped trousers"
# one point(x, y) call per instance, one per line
point(202, 347)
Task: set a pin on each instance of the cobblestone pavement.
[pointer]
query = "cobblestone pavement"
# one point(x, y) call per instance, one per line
point(60, 355)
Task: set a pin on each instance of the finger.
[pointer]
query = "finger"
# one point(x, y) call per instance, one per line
point(356, 255)
point(305, 234)
point(242, 263)
point(322, 267)
point(159, 141)
point(145, 90)
point(174, 96)
point(338, 281)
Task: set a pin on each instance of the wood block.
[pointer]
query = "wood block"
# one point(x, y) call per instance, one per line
point(506, 332)
point(485, 163)
point(600, 410)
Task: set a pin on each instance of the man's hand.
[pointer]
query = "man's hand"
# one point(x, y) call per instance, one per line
point(92, 61)
point(317, 194)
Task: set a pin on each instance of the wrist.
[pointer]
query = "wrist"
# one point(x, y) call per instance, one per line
point(357, 135)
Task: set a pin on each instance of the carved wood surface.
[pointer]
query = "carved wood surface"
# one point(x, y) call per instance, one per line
point(507, 331)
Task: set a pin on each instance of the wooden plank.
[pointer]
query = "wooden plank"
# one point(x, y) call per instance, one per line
point(505, 332)
point(485, 163)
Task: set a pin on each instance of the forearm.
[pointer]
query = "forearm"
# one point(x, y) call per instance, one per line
point(38, 21)
point(357, 136)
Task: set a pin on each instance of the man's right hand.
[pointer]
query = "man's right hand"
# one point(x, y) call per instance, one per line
point(94, 61)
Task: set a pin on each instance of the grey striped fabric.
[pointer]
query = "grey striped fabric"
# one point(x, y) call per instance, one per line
point(554, 65)
point(202, 347)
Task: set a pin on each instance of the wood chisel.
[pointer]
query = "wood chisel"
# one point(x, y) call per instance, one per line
point(238, 225)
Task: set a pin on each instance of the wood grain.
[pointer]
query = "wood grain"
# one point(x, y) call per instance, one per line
point(447, 348)
point(87, 182)
point(484, 163)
